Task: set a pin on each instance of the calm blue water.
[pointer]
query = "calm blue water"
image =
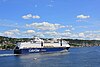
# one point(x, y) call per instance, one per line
point(76, 57)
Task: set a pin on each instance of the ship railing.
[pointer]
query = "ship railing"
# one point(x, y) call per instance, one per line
point(47, 46)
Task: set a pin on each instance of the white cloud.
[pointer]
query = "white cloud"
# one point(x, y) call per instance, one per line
point(30, 32)
point(97, 38)
point(92, 35)
point(36, 17)
point(14, 30)
point(83, 16)
point(8, 33)
point(65, 34)
point(82, 20)
point(40, 34)
point(72, 28)
point(46, 29)
point(58, 34)
point(68, 26)
point(11, 33)
point(52, 33)
point(82, 26)
point(67, 30)
point(45, 26)
point(30, 16)
point(81, 35)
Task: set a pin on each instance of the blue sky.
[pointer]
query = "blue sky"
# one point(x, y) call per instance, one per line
point(76, 19)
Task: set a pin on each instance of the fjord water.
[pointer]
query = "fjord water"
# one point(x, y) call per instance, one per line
point(76, 57)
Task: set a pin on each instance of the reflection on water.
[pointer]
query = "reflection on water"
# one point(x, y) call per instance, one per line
point(35, 55)
point(41, 55)
point(39, 59)
point(2, 55)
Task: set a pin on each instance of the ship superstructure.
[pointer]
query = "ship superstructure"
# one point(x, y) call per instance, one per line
point(39, 45)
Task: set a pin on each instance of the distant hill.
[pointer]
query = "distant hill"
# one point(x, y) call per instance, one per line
point(9, 43)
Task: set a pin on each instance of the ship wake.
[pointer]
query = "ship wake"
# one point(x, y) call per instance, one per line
point(2, 55)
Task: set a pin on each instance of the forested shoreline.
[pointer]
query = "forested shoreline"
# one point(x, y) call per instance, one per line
point(7, 43)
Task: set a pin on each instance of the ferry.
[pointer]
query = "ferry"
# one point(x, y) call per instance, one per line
point(38, 45)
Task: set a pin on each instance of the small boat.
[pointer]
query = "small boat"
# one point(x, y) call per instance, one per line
point(38, 45)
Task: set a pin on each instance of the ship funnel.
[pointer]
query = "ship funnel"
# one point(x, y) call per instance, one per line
point(60, 42)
